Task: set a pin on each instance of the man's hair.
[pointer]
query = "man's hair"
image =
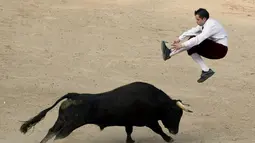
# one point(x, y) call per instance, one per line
point(203, 13)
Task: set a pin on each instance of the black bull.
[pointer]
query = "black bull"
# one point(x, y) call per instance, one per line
point(135, 104)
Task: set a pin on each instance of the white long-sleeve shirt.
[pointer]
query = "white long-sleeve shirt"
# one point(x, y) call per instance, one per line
point(212, 30)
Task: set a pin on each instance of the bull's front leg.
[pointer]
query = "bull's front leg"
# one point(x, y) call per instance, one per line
point(129, 130)
point(157, 129)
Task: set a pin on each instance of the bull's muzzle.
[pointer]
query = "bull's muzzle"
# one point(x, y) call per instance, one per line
point(173, 132)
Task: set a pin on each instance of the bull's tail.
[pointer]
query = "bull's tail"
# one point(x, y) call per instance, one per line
point(33, 121)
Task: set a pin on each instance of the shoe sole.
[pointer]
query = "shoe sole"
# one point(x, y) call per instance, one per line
point(163, 49)
point(204, 79)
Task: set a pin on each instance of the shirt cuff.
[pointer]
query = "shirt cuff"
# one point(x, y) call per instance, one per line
point(184, 45)
point(181, 37)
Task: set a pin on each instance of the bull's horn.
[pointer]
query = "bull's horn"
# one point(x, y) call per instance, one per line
point(185, 104)
point(183, 107)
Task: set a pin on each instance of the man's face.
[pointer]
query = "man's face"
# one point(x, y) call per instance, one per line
point(200, 21)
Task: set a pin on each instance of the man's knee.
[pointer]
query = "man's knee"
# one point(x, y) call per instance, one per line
point(190, 52)
point(193, 49)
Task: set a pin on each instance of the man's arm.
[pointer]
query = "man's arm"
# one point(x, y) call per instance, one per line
point(192, 31)
point(206, 33)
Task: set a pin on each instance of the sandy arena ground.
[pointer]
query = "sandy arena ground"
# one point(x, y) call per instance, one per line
point(49, 48)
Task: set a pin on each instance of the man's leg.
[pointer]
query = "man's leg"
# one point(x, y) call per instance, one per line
point(210, 50)
point(167, 53)
point(206, 71)
point(198, 59)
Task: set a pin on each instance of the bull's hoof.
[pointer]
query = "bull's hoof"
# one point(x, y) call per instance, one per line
point(130, 141)
point(168, 139)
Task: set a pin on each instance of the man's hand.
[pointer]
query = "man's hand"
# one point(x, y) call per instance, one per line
point(177, 41)
point(177, 46)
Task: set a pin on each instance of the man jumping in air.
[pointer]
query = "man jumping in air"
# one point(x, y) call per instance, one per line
point(207, 39)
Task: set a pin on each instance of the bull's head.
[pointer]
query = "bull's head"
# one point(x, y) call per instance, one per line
point(172, 117)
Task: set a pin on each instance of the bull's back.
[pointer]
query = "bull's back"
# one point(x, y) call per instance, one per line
point(135, 91)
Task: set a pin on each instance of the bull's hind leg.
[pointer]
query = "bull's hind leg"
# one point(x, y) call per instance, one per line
point(157, 129)
point(48, 137)
point(67, 130)
point(129, 130)
point(53, 131)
